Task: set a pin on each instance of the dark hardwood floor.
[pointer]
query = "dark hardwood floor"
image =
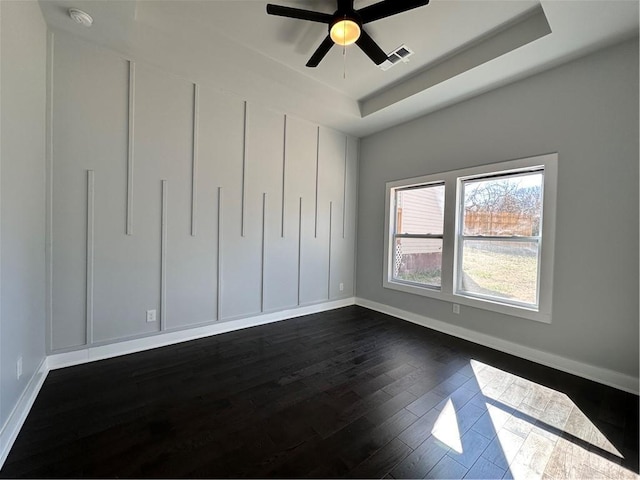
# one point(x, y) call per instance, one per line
point(345, 393)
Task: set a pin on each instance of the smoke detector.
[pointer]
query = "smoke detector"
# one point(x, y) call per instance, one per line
point(78, 16)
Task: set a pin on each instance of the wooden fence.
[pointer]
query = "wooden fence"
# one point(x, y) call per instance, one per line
point(500, 223)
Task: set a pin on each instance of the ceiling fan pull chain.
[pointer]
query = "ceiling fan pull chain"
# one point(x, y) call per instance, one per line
point(344, 64)
point(344, 51)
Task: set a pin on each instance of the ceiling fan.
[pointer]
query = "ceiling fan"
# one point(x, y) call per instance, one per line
point(345, 24)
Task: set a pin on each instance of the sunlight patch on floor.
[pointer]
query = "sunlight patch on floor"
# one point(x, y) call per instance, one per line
point(446, 428)
point(541, 432)
point(551, 410)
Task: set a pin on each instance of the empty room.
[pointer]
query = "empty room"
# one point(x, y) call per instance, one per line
point(319, 239)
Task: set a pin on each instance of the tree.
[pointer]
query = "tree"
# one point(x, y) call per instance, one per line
point(505, 196)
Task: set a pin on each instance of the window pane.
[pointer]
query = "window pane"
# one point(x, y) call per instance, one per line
point(506, 270)
point(418, 260)
point(510, 205)
point(420, 210)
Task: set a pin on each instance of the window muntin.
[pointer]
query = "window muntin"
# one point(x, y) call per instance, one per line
point(417, 235)
point(499, 235)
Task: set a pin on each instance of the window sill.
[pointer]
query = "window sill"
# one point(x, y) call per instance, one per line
point(514, 311)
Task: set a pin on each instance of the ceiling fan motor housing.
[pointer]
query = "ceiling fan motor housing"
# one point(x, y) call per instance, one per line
point(345, 11)
point(342, 15)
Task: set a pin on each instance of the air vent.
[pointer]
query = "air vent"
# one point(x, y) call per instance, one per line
point(402, 53)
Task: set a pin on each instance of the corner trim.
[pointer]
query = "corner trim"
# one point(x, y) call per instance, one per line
point(605, 376)
point(11, 428)
point(102, 352)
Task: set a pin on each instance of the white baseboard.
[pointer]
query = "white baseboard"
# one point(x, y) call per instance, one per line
point(18, 415)
point(101, 352)
point(605, 376)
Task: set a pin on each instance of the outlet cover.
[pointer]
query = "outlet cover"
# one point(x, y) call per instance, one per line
point(341, 287)
point(456, 308)
point(151, 315)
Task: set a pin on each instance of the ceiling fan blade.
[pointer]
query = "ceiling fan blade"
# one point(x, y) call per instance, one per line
point(320, 52)
point(298, 13)
point(371, 48)
point(387, 8)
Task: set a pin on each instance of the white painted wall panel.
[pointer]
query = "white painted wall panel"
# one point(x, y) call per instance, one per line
point(314, 251)
point(331, 173)
point(164, 149)
point(194, 261)
point(314, 255)
point(343, 231)
point(300, 190)
point(90, 118)
point(242, 266)
point(220, 150)
point(133, 284)
point(280, 259)
point(112, 298)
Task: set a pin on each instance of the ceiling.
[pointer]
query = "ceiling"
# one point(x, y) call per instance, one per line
point(462, 48)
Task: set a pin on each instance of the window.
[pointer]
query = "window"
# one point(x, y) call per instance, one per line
point(417, 239)
point(481, 236)
point(499, 237)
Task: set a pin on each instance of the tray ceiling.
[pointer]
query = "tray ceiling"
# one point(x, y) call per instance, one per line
point(461, 48)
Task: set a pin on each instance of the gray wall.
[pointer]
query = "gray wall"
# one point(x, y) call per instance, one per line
point(587, 111)
point(231, 211)
point(22, 199)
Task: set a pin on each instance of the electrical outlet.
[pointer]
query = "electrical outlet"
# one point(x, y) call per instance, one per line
point(342, 287)
point(19, 368)
point(456, 308)
point(151, 315)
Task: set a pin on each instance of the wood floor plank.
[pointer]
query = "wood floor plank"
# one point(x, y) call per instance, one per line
point(344, 393)
point(384, 433)
point(382, 461)
point(472, 444)
point(447, 468)
point(483, 469)
point(419, 462)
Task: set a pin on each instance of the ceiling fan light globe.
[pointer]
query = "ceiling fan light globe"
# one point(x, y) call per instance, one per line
point(345, 32)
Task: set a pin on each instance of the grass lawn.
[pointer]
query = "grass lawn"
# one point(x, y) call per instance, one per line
point(501, 274)
point(428, 278)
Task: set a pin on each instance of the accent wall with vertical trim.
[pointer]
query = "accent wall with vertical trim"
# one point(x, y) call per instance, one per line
point(139, 221)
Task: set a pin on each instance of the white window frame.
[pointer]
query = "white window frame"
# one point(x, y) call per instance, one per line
point(450, 243)
point(395, 235)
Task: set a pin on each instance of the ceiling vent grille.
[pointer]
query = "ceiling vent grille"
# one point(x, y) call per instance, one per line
point(400, 54)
